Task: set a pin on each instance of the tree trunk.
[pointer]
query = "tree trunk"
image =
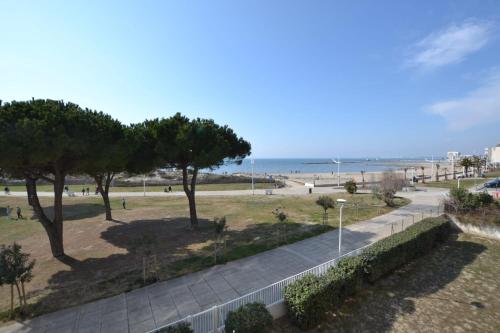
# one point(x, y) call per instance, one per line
point(24, 293)
point(190, 193)
point(20, 297)
point(104, 191)
point(53, 228)
point(12, 300)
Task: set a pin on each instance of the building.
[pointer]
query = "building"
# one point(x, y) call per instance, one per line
point(493, 155)
point(453, 156)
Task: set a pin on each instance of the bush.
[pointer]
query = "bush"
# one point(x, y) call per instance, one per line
point(461, 200)
point(389, 185)
point(179, 328)
point(350, 186)
point(308, 299)
point(250, 318)
point(394, 251)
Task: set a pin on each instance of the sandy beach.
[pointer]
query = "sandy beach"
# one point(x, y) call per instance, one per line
point(332, 178)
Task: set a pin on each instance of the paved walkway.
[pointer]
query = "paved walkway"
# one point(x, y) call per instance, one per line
point(158, 304)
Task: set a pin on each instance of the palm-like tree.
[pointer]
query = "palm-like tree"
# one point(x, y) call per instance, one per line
point(363, 177)
point(405, 170)
point(325, 202)
point(466, 163)
point(445, 173)
point(423, 173)
point(437, 171)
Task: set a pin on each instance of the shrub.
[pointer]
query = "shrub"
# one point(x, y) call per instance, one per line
point(250, 318)
point(389, 185)
point(179, 328)
point(350, 186)
point(394, 251)
point(306, 301)
point(309, 298)
point(461, 200)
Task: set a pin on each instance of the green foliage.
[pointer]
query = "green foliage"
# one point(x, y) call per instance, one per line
point(280, 215)
point(396, 250)
point(306, 301)
point(461, 200)
point(325, 202)
point(309, 298)
point(220, 225)
point(350, 186)
point(250, 318)
point(179, 328)
point(16, 269)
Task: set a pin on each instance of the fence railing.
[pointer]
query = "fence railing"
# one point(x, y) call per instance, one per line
point(212, 320)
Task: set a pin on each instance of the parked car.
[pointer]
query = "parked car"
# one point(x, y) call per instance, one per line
point(492, 183)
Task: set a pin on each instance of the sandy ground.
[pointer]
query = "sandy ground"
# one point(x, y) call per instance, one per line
point(331, 178)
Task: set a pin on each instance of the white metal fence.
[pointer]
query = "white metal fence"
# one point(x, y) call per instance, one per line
point(212, 320)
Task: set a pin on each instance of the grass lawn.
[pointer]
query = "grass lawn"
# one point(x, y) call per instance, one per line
point(454, 289)
point(107, 257)
point(465, 183)
point(175, 188)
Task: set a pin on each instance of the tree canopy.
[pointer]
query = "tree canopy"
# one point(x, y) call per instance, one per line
point(191, 145)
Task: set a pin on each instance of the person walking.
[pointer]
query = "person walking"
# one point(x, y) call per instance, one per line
point(18, 211)
point(7, 211)
point(88, 191)
point(124, 203)
point(169, 188)
point(83, 192)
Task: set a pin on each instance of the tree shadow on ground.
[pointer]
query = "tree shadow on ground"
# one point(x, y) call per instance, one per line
point(77, 211)
point(377, 307)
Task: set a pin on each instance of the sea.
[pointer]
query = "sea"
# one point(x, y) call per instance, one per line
point(315, 165)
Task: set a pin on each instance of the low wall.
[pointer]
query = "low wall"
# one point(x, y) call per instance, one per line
point(488, 231)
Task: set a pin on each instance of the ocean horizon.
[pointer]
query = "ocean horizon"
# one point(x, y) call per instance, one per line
point(315, 165)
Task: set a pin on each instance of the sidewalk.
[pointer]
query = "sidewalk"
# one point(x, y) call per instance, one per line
point(158, 304)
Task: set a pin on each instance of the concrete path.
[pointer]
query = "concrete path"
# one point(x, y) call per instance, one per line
point(158, 304)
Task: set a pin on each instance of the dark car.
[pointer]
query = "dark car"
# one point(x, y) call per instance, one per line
point(493, 183)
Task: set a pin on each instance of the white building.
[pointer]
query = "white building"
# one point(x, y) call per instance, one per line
point(493, 155)
point(453, 156)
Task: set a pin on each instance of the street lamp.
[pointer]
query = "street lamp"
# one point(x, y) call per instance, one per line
point(252, 161)
point(432, 166)
point(338, 170)
point(341, 202)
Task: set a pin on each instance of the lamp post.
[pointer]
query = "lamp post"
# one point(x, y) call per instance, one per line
point(252, 161)
point(341, 202)
point(338, 170)
point(432, 166)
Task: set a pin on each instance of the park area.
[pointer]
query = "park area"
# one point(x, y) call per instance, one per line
point(455, 288)
point(151, 239)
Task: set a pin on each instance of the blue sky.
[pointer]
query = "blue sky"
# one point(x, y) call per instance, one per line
point(295, 78)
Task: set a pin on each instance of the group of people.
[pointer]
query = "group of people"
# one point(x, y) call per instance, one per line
point(8, 210)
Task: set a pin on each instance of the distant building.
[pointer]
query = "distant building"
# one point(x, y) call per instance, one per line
point(493, 155)
point(453, 156)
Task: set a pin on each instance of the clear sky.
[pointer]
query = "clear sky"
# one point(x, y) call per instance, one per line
point(295, 78)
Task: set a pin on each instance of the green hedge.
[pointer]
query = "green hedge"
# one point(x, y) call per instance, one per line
point(249, 318)
point(392, 252)
point(179, 328)
point(308, 299)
